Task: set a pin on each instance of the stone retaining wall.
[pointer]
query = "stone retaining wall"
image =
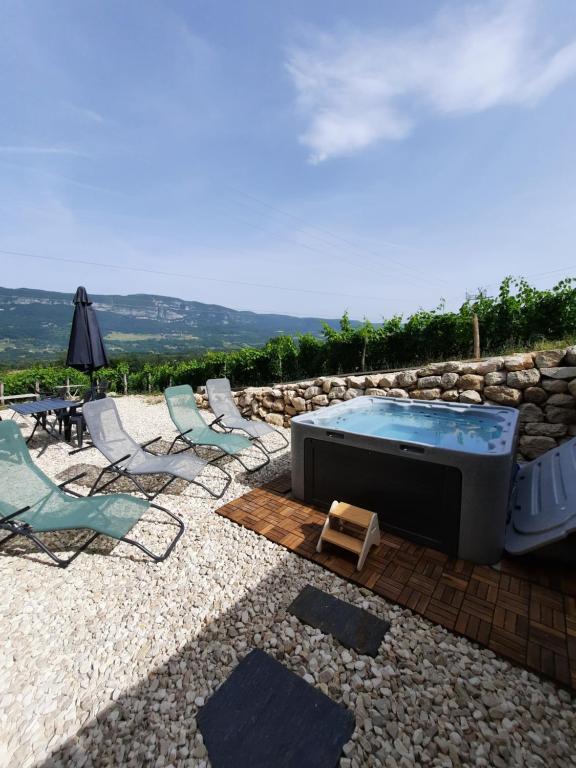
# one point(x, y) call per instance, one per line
point(542, 385)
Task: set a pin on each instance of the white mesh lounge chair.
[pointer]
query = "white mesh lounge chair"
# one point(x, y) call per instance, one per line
point(31, 504)
point(195, 433)
point(230, 418)
point(129, 459)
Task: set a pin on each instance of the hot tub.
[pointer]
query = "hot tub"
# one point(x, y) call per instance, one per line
point(437, 473)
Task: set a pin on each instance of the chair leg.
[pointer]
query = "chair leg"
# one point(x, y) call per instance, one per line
point(7, 538)
point(284, 438)
point(224, 453)
point(60, 562)
point(212, 493)
point(254, 469)
point(151, 496)
point(92, 490)
point(179, 437)
point(65, 562)
point(164, 555)
point(271, 451)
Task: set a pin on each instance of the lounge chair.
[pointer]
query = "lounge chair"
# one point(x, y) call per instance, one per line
point(31, 504)
point(195, 433)
point(129, 459)
point(223, 405)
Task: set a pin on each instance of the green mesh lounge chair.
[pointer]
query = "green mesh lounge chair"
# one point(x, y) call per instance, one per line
point(129, 459)
point(195, 433)
point(31, 504)
point(222, 403)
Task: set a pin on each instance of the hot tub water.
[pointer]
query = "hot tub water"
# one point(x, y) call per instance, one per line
point(457, 428)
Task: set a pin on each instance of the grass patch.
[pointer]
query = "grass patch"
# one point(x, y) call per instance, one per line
point(539, 346)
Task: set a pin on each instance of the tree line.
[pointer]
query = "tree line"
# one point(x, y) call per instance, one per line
point(519, 317)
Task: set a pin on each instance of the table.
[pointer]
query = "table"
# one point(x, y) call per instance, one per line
point(39, 410)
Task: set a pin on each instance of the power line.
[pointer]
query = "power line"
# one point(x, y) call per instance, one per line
point(283, 237)
point(313, 226)
point(539, 274)
point(357, 248)
point(314, 249)
point(190, 276)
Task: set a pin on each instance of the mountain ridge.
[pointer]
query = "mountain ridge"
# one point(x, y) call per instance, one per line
point(35, 324)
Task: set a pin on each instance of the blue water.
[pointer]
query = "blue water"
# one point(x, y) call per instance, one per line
point(450, 427)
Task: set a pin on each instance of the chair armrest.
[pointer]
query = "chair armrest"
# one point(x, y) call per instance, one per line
point(13, 514)
point(72, 480)
point(217, 420)
point(79, 450)
point(154, 440)
point(119, 461)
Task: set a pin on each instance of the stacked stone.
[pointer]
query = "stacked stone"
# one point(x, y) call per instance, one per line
point(542, 385)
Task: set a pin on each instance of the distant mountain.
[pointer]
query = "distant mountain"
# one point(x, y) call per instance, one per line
point(34, 325)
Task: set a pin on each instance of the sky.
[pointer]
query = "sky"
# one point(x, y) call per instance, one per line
point(293, 157)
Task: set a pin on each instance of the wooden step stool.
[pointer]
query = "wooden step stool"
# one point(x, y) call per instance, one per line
point(335, 530)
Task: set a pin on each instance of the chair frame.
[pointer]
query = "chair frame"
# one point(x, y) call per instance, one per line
point(191, 444)
point(221, 421)
point(120, 471)
point(17, 528)
point(258, 439)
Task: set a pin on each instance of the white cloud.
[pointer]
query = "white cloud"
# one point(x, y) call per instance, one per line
point(356, 88)
point(89, 115)
point(38, 150)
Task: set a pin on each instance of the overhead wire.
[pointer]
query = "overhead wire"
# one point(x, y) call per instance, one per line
point(322, 252)
point(357, 248)
point(192, 276)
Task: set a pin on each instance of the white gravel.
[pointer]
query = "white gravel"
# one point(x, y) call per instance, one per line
point(106, 663)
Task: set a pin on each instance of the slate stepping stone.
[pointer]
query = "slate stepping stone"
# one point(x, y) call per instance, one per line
point(353, 627)
point(264, 715)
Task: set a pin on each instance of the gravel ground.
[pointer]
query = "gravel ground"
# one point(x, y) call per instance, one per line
point(107, 662)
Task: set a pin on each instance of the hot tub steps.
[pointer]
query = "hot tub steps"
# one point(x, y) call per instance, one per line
point(342, 540)
point(351, 528)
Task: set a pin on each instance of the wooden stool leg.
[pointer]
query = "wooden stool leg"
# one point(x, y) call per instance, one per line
point(325, 526)
point(372, 539)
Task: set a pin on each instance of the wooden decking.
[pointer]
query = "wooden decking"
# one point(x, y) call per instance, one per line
point(523, 611)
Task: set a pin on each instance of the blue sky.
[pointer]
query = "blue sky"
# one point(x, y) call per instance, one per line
point(372, 156)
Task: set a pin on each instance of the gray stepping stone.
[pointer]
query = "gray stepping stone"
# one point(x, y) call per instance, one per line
point(264, 715)
point(353, 627)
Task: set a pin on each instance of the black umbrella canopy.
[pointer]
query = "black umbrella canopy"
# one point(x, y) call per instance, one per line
point(86, 351)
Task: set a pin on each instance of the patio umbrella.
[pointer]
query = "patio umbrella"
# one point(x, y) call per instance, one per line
point(86, 351)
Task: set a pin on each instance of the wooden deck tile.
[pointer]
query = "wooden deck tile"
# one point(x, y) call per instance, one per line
point(423, 584)
point(475, 606)
point(524, 611)
point(414, 599)
point(508, 644)
point(446, 594)
point(518, 604)
point(441, 613)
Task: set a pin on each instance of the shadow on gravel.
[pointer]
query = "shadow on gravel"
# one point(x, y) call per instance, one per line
point(65, 543)
point(179, 487)
point(154, 723)
point(277, 465)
